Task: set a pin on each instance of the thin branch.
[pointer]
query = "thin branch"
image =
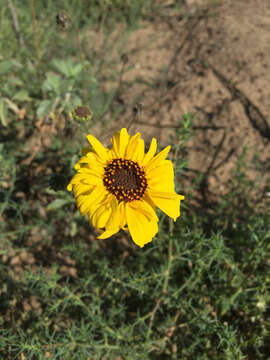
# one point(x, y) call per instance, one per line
point(15, 24)
point(35, 30)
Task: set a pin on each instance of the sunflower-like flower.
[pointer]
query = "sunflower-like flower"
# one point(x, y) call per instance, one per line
point(120, 187)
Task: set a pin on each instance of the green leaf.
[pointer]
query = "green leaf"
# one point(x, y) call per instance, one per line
point(3, 112)
point(67, 67)
point(57, 204)
point(74, 229)
point(7, 66)
point(22, 95)
point(45, 108)
point(73, 102)
point(52, 83)
point(76, 69)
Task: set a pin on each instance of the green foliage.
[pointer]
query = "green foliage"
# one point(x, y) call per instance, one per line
point(119, 307)
point(200, 290)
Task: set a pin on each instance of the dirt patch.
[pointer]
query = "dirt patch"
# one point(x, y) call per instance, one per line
point(212, 59)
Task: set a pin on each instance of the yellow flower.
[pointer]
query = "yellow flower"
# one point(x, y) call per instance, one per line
point(120, 187)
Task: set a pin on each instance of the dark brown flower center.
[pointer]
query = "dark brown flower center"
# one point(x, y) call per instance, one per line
point(125, 179)
point(82, 111)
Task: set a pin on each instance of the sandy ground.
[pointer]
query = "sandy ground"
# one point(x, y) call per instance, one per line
point(212, 60)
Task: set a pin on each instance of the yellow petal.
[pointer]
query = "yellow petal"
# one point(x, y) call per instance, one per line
point(113, 223)
point(132, 146)
point(158, 158)
point(87, 179)
point(100, 216)
point(85, 202)
point(139, 154)
point(149, 200)
point(90, 161)
point(167, 202)
point(161, 178)
point(151, 152)
point(93, 171)
point(142, 222)
point(99, 149)
point(80, 188)
point(119, 142)
point(123, 217)
point(83, 183)
point(83, 160)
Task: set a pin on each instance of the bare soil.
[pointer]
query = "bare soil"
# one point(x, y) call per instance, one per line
point(212, 60)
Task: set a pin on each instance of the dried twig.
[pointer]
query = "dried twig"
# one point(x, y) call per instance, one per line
point(15, 23)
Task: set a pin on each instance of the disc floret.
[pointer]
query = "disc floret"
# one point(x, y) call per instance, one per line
point(125, 179)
